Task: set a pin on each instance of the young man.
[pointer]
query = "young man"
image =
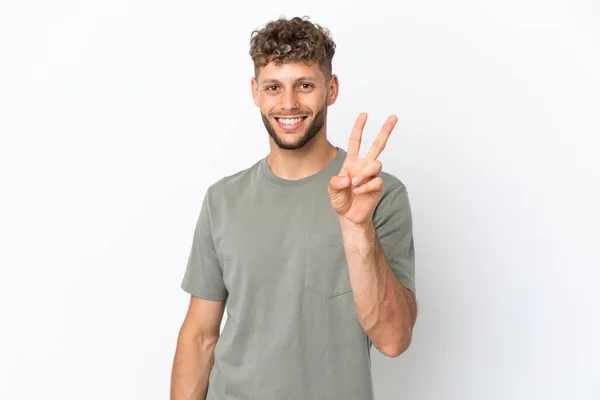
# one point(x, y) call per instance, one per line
point(311, 247)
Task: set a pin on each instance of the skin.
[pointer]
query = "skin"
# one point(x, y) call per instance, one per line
point(385, 308)
point(194, 354)
point(296, 89)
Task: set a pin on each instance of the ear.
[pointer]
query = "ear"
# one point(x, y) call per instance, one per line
point(333, 90)
point(254, 85)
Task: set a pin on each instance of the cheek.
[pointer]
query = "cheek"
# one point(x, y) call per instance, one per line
point(265, 105)
point(316, 101)
point(268, 100)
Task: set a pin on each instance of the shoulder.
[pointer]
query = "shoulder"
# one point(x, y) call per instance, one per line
point(391, 183)
point(394, 199)
point(232, 185)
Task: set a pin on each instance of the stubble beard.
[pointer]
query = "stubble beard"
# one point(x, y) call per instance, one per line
point(310, 132)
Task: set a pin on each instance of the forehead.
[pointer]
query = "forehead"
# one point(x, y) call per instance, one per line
point(289, 72)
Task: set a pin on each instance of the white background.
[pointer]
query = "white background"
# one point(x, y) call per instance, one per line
point(117, 115)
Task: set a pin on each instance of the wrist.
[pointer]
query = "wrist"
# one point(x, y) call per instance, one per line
point(346, 224)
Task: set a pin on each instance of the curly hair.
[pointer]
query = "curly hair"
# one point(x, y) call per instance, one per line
point(295, 40)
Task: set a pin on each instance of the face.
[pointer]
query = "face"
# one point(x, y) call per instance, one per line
point(293, 100)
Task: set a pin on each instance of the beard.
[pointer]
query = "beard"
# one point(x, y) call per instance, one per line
point(310, 132)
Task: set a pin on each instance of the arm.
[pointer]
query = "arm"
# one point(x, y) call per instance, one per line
point(194, 355)
point(385, 308)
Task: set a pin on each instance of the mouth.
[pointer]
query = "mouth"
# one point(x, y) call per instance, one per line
point(290, 123)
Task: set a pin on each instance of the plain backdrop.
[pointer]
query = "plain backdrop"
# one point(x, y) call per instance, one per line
point(117, 115)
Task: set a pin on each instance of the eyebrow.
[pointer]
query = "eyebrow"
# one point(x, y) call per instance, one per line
point(302, 78)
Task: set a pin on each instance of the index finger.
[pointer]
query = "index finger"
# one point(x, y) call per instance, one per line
point(382, 138)
point(356, 135)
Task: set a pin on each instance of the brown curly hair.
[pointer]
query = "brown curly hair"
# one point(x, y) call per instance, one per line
point(295, 40)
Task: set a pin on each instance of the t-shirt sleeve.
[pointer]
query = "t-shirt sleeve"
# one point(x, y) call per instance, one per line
point(204, 275)
point(393, 222)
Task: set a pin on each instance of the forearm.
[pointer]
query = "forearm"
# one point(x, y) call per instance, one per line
point(380, 301)
point(194, 359)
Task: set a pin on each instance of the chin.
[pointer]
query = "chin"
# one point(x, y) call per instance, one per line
point(287, 144)
point(292, 139)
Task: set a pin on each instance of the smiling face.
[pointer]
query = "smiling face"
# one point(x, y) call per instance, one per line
point(293, 100)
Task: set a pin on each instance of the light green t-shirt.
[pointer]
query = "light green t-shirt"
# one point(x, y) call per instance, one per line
point(273, 248)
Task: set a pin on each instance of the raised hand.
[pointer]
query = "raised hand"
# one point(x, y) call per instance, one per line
point(355, 191)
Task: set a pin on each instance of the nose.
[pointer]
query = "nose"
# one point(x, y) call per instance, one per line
point(289, 100)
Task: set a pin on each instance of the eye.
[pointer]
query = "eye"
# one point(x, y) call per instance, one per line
point(306, 85)
point(271, 88)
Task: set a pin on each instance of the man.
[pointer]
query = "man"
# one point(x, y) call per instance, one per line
point(311, 247)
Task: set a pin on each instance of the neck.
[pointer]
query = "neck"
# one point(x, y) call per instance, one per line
point(301, 163)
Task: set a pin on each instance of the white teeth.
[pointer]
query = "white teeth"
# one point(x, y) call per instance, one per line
point(288, 121)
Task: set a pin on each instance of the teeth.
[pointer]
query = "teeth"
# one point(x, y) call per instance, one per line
point(289, 121)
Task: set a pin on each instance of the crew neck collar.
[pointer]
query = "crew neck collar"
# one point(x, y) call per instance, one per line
point(327, 172)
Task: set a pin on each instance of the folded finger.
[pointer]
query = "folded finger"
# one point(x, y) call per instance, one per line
point(339, 182)
point(371, 170)
point(374, 184)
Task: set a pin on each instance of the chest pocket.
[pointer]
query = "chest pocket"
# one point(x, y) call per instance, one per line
point(327, 271)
